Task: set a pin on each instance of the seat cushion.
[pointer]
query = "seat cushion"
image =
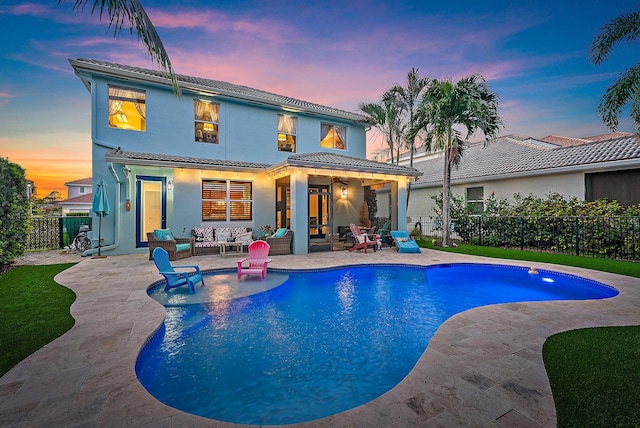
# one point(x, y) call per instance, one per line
point(183, 247)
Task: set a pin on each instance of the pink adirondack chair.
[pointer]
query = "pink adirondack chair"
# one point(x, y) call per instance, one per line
point(258, 260)
point(362, 240)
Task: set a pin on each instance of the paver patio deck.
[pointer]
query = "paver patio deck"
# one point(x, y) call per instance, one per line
point(483, 367)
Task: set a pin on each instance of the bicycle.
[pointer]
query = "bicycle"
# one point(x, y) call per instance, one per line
point(81, 242)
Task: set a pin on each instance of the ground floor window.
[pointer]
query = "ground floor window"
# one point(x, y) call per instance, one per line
point(226, 200)
point(475, 199)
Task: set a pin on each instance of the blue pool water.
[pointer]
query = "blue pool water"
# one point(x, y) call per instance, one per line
point(321, 342)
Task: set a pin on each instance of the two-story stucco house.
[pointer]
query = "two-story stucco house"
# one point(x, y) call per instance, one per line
point(225, 155)
point(79, 195)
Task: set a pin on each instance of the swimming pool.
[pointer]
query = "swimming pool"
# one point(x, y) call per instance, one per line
point(320, 342)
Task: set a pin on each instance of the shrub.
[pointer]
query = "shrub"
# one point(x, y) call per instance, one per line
point(14, 211)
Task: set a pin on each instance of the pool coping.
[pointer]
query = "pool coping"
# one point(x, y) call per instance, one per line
point(483, 367)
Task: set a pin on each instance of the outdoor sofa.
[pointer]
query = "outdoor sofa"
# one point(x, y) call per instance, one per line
point(207, 239)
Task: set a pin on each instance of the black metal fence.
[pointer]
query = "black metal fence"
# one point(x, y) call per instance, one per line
point(48, 233)
point(609, 237)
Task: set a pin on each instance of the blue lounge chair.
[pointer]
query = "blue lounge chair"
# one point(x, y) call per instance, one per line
point(176, 279)
point(404, 243)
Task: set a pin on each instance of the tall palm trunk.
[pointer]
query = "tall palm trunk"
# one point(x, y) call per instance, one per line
point(446, 192)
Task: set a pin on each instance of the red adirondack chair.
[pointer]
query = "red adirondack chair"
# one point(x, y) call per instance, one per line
point(362, 240)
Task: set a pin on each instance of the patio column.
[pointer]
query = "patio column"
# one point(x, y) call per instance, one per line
point(399, 204)
point(300, 212)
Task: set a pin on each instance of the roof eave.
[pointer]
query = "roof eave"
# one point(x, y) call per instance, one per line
point(592, 167)
point(203, 90)
point(125, 160)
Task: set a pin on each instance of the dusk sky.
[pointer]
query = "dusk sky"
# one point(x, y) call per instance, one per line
point(535, 56)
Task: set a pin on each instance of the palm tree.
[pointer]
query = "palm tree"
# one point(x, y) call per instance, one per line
point(131, 15)
point(444, 110)
point(407, 98)
point(627, 87)
point(386, 117)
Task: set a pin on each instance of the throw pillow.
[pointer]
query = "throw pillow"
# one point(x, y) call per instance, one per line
point(246, 237)
point(280, 232)
point(163, 234)
point(222, 236)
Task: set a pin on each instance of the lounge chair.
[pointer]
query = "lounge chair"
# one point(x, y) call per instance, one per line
point(176, 279)
point(258, 260)
point(404, 243)
point(362, 241)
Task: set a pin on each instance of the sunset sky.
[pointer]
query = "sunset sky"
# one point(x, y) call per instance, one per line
point(535, 56)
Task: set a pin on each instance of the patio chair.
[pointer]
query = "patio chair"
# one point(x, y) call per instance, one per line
point(258, 260)
point(404, 243)
point(178, 248)
point(385, 236)
point(362, 241)
point(173, 278)
point(280, 245)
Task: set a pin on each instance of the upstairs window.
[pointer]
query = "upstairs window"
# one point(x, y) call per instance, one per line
point(225, 200)
point(475, 199)
point(287, 130)
point(206, 118)
point(127, 109)
point(333, 136)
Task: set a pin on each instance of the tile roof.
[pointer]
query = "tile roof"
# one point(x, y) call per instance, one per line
point(82, 199)
point(138, 158)
point(81, 182)
point(216, 87)
point(333, 160)
point(515, 155)
point(310, 160)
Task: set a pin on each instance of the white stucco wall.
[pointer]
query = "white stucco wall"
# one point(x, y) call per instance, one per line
point(421, 203)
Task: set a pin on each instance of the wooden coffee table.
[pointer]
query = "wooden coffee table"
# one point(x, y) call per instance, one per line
point(236, 248)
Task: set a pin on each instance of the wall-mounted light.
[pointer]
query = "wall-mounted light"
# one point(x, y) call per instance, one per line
point(343, 192)
point(170, 185)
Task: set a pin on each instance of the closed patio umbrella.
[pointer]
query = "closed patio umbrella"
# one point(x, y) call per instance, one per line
point(100, 208)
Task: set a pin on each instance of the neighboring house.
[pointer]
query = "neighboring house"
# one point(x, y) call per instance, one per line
point(604, 166)
point(225, 155)
point(79, 197)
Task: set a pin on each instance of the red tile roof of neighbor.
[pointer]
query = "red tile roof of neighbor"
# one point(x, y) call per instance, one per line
point(82, 199)
point(81, 182)
point(569, 141)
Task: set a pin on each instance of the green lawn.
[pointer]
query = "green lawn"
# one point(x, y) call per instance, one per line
point(595, 376)
point(34, 310)
point(595, 372)
point(605, 265)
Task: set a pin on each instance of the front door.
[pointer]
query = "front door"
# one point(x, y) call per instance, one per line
point(320, 217)
point(151, 207)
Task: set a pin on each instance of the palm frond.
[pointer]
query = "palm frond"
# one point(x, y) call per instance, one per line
point(624, 28)
point(129, 14)
point(624, 90)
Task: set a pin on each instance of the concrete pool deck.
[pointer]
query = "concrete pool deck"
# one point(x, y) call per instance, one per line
point(483, 367)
